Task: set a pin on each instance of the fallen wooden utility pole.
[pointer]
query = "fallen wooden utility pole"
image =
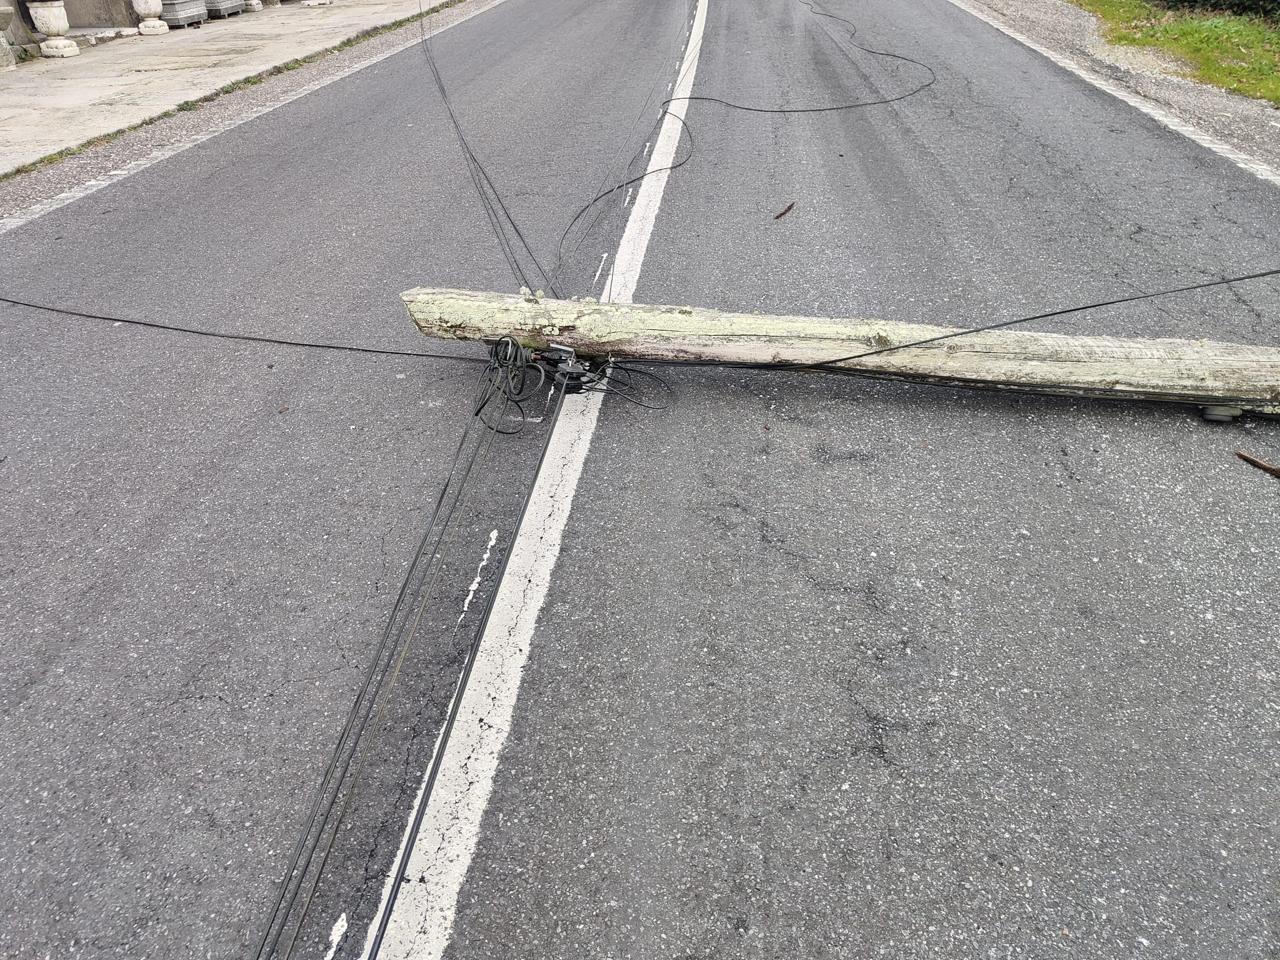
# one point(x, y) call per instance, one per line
point(1226, 377)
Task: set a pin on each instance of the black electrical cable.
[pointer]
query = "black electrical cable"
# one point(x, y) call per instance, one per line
point(509, 368)
point(474, 167)
point(834, 108)
point(491, 199)
point(749, 108)
point(455, 706)
point(397, 663)
point(650, 99)
point(631, 181)
point(361, 710)
point(248, 337)
point(1000, 325)
point(509, 377)
point(506, 376)
point(618, 380)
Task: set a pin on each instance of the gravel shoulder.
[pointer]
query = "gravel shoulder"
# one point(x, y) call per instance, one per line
point(1251, 126)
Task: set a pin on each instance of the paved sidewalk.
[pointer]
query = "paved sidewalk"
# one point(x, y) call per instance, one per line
point(50, 105)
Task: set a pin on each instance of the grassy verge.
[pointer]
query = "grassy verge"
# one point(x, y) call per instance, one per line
point(1237, 52)
point(257, 78)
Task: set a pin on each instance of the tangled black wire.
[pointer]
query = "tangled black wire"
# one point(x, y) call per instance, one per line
point(506, 383)
point(620, 380)
point(515, 375)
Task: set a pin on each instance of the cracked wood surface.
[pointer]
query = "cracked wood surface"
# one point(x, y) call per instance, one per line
point(1186, 371)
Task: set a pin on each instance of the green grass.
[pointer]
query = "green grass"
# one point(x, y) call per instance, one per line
point(1239, 53)
point(257, 78)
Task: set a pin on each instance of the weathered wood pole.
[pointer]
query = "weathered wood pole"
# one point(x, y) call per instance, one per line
point(1200, 372)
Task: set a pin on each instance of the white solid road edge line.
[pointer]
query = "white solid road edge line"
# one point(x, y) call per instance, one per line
point(1135, 100)
point(421, 922)
point(38, 210)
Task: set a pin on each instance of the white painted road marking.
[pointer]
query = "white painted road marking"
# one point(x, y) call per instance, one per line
point(1138, 102)
point(625, 274)
point(422, 915)
point(475, 584)
point(421, 921)
point(17, 220)
point(335, 936)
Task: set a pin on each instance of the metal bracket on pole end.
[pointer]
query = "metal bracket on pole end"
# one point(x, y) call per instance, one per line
point(1218, 413)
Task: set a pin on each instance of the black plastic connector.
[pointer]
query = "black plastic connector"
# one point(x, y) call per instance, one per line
point(565, 367)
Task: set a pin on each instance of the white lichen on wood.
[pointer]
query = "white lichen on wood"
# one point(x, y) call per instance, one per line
point(1190, 371)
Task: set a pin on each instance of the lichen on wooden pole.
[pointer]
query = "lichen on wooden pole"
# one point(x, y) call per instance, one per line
point(1201, 372)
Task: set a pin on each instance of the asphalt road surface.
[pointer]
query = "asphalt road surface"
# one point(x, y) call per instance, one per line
point(827, 668)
